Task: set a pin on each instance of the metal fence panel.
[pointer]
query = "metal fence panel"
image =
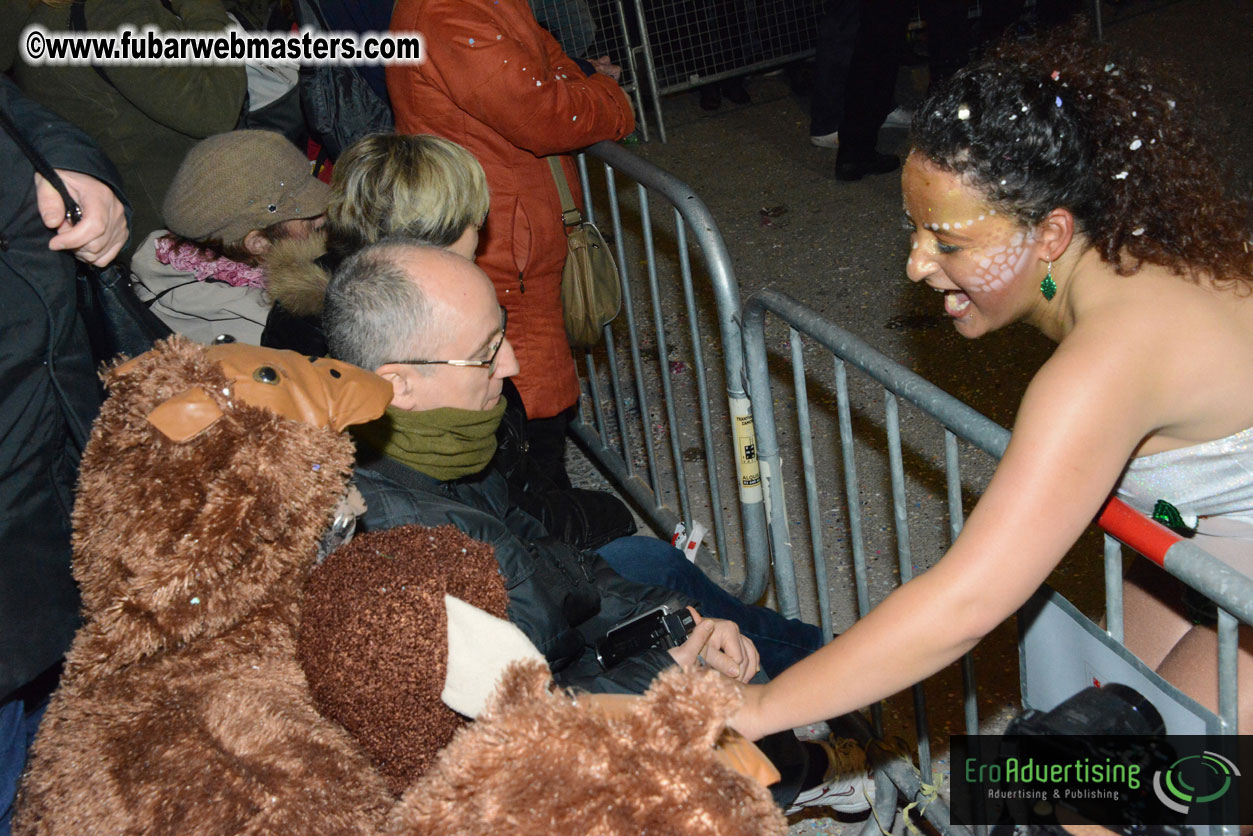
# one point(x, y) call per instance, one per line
point(666, 46)
point(681, 453)
point(1184, 560)
point(654, 426)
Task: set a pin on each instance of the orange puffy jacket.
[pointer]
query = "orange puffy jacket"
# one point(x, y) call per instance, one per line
point(496, 82)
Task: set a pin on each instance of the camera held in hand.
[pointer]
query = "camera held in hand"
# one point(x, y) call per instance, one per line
point(659, 628)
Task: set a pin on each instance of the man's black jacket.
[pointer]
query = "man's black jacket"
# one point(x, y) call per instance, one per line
point(49, 396)
point(562, 598)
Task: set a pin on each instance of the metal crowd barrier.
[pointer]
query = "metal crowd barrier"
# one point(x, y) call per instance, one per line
point(667, 46)
point(650, 419)
point(900, 386)
point(653, 425)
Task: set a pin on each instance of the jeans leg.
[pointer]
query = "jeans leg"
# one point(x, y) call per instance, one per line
point(780, 641)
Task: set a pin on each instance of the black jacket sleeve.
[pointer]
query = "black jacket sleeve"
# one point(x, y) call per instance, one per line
point(562, 598)
point(61, 143)
point(587, 519)
point(48, 396)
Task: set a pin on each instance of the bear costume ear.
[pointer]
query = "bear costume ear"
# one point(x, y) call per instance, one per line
point(186, 415)
point(694, 707)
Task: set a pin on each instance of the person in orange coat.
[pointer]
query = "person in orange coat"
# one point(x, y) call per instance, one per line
point(499, 84)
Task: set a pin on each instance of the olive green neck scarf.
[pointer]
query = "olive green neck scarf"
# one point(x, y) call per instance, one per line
point(445, 443)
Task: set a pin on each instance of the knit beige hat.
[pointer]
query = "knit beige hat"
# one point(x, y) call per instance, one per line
point(233, 183)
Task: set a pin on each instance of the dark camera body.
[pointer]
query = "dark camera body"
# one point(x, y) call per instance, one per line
point(1113, 723)
point(658, 628)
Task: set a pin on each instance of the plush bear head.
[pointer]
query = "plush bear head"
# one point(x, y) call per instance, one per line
point(374, 638)
point(540, 762)
point(204, 490)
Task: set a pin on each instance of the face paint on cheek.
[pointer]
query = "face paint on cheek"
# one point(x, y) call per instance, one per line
point(998, 266)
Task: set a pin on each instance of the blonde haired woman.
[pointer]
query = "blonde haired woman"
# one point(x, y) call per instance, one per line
point(421, 186)
point(418, 186)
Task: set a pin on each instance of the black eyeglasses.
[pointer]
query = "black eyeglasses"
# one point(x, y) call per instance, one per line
point(490, 362)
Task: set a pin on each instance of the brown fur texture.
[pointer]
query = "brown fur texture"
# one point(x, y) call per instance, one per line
point(540, 762)
point(182, 709)
point(374, 638)
point(293, 278)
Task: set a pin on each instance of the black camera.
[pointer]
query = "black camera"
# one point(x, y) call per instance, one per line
point(1112, 709)
point(658, 628)
point(1106, 728)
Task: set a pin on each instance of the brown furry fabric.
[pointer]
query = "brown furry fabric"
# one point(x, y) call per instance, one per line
point(539, 762)
point(293, 279)
point(374, 638)
point(182, 709)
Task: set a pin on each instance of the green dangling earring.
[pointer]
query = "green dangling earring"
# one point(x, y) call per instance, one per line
point(1048, 287)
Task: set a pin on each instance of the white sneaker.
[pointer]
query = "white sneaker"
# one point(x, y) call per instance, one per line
point(899, 118)
point(831, 140)
point(846, 787)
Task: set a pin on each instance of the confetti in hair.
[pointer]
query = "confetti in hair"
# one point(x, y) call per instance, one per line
point(963, 113)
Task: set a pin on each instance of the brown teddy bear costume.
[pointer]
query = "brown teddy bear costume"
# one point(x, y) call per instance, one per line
point(372, 643)
point(208, 481)
point(539, 762)
point(204, 490)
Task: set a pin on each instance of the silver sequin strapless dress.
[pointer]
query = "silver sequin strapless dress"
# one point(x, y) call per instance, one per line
point(1212, 482)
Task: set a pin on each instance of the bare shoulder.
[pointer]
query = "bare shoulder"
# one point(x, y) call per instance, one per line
point(1182, 351)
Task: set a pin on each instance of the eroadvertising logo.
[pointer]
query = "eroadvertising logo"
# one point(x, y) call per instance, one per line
point(1191, 780)
point(1111, 780)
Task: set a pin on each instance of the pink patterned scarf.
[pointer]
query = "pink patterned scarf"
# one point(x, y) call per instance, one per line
point(191, 259)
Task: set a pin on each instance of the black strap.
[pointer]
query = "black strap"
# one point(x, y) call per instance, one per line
point(73, 213)
point(401, 474)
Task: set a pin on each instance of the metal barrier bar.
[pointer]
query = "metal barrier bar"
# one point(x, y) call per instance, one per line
point(1204, 573)
point(811, 480)
point(702, 388)
point(668, 289)
point(1181, 558)
point(1185, 560)
point(1113, 589)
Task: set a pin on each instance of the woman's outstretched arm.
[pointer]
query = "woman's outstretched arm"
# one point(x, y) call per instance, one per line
point(1081, 419)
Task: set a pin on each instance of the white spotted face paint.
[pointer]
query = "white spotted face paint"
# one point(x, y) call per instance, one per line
point(962, 247)
point(998, 265)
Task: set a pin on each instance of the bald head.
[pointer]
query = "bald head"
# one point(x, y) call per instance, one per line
point(398, 299)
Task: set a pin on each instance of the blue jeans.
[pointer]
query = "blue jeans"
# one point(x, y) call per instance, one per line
point(780, 641)
point(17, 731)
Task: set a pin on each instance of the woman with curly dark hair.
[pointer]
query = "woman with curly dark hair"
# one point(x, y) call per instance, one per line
point(1059, 186)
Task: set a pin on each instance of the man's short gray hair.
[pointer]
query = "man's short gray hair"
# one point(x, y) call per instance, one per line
point(374, 311)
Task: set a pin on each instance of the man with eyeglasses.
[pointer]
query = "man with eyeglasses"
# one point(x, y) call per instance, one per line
point(428, 322)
